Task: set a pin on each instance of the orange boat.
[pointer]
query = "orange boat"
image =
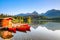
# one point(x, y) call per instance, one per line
point(6, 22)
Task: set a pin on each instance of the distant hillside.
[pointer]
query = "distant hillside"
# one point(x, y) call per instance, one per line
point(52, 13)
point(22, 14)
point(27, 14)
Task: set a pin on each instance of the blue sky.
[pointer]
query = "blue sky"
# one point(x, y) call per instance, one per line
point(13, 7)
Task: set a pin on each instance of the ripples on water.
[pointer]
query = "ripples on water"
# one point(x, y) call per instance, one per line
point(44, 31)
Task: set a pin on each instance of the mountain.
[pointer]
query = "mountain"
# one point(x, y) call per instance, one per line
point(22, 14)
point(34, 13)
point(27, 14)
point(52, 13)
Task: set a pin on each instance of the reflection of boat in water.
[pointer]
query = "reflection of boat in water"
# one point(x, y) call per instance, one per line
point(6, 33)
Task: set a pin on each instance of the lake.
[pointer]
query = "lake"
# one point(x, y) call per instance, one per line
point(39, 31)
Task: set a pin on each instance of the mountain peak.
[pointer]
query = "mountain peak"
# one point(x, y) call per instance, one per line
point(52, 13)
point(35, 12)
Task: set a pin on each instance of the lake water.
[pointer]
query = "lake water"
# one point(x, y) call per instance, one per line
point(41, 31)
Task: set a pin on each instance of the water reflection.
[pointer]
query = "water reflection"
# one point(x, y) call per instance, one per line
point(5, 34)
point(52, 26)
point(48, 25)
point(39, 31)
point(35, 24)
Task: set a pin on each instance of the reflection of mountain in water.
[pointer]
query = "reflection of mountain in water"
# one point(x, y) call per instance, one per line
point(48, 25)
point(52, 26)
point(35, 24)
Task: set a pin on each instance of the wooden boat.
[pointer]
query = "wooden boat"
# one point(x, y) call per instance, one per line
point(6, 24)
point(22, 28)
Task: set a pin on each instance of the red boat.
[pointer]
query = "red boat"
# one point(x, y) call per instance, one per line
point(22, 28)
point(7, 23)
point(12, 30)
